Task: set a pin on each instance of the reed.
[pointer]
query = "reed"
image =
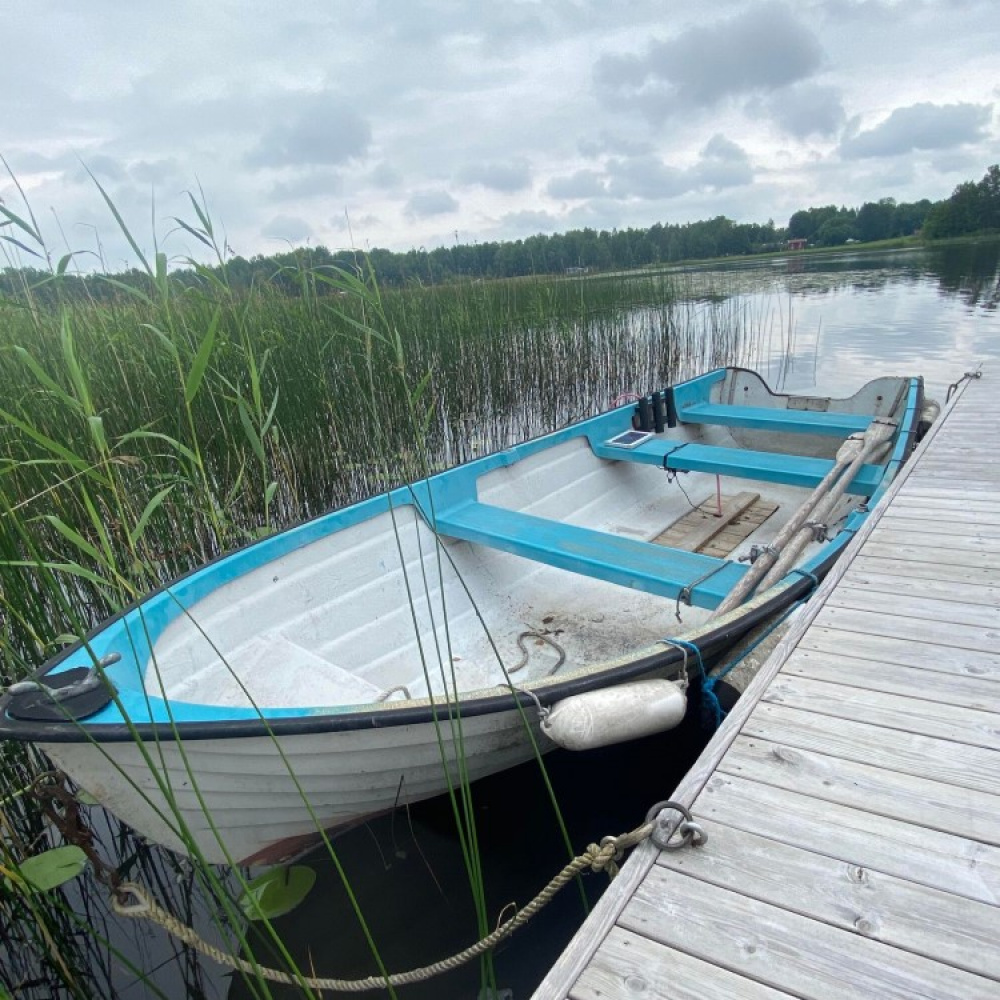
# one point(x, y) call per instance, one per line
point(152, 430)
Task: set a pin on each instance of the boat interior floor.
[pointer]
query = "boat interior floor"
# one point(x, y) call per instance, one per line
point(716, 528)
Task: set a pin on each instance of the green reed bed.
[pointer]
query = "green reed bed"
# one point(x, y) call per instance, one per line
point(147, 432)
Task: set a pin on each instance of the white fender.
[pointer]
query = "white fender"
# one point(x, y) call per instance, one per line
point(615, 714)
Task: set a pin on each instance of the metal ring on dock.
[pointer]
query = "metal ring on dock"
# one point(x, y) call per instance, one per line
point(691, 832)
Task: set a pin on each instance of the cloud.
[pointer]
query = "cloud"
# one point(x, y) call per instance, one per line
point(722, 163)
point(288, 227)
point(514, 225)
point(582, 184)
point(919, 126)
point(805, 109)
point(157, 172)
point(312, 183)
point(615, 143)
point(323, 131)
point(759, 50)
point(385, 176)
point(425, 204)
point(645, 177)
point(505, 177)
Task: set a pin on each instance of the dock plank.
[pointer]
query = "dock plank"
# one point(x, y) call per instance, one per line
point(846, 894)
point(914, 799)
point(784, 950)
point(910, 712)
point(960, 689)
point(957, 765)
point(861, 596)
point(630, 965)
point(929, 857)
point(877, 579)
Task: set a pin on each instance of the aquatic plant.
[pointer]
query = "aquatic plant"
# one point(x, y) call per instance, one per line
point(152, 430)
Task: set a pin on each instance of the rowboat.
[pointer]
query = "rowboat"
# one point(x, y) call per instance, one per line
point(563, 592)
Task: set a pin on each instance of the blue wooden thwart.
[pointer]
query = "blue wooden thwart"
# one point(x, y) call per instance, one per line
point(643, 566)
point(763, 466)
point(766, 418)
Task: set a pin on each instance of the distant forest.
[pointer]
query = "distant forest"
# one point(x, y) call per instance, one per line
point(973, 207)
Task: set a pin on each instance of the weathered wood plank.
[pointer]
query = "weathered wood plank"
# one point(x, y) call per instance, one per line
point(935, 633)
point(959, 765)
point(915, 853)
point(942, 495)
point(908, 712)
point(630, 966)
point(953, 591)
point(935, 555)
point(937, 524)
point(886, 534)
point(918, 570)
point(881, 907)
point(906, 604)
point(962, 690)
point(932, 479)
point(918, 800)
point(961, 511)
point(802, 956)
point(901, 650)
point(697, 527)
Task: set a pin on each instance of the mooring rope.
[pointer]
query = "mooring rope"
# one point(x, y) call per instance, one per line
point(597, 857)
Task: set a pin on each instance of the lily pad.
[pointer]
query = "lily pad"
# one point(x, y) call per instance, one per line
point(276, 892)
point(54, 867)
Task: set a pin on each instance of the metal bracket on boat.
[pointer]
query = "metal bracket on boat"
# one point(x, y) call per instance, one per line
point(664, 827)
point(756, 551)
point(818, 529)
point(73, 694)
point(684, 596)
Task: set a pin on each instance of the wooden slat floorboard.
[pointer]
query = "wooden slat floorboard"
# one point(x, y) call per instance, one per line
point(852, 797)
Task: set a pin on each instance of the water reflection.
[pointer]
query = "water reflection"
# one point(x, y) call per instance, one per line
point(854, 315)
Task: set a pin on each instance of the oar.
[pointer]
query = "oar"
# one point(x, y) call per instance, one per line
point(876, 436)
point(847, 455)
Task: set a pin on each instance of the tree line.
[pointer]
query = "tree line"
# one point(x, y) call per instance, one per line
point(973, 207)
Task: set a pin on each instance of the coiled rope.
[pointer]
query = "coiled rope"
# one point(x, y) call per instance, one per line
point(131, 900)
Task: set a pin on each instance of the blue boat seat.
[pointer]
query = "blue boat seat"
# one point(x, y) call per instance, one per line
point(763, 466)
point(643, 566)
point(765, 418)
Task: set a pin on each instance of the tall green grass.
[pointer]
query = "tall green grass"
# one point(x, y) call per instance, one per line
point(146, 433)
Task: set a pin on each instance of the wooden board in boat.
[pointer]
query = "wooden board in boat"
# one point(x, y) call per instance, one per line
point(703, 530)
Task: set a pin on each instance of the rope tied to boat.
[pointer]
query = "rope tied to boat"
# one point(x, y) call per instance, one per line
point(977, 374)
point(132, 900)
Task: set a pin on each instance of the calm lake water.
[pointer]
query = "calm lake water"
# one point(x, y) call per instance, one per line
point(827, 323)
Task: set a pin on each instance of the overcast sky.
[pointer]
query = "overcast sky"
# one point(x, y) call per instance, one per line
point(419, 122)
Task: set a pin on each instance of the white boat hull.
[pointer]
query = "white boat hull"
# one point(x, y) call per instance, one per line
point(240, 804)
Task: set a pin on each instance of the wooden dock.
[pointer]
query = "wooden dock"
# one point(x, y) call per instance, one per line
point(852, 797)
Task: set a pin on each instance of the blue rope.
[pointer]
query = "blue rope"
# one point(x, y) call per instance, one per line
point(710, 698)
point(712, 713)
